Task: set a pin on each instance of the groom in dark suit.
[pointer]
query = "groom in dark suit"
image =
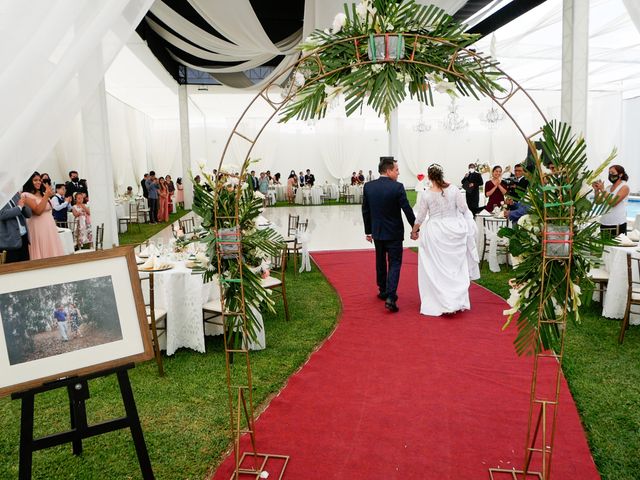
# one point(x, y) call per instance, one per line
point(382, 201)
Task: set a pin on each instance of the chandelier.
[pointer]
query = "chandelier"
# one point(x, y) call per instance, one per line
point(491, 117)
point(453, 121)
point(421, 126)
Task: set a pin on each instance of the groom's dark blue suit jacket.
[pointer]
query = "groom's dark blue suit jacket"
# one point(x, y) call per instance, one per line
point(382, 201)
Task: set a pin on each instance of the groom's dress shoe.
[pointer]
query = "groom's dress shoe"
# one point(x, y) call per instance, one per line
point(382, 296)
point(391, 306)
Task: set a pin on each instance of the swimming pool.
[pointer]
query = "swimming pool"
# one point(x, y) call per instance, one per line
point(633, 207)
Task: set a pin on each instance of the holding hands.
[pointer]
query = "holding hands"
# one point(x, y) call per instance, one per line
point(415, 232)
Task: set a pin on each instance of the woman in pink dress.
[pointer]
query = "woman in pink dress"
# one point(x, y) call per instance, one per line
point(44, 241)
point(163, 201)
point(179, 193)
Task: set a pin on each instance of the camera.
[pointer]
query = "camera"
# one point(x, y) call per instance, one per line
point(47, 181)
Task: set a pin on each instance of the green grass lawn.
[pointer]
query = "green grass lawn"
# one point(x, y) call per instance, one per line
point(185, 416)
point(604, 378)
point(135, 235)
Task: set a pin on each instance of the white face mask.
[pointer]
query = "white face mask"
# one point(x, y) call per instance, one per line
point(471, 170)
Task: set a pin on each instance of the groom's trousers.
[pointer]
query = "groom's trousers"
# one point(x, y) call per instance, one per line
point(388, 263)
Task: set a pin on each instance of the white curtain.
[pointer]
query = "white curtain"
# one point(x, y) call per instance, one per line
point(340, 145)
point(633, 9)
point(46, 44)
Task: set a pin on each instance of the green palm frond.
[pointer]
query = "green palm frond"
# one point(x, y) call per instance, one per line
point(566, 193)
point(433, 43)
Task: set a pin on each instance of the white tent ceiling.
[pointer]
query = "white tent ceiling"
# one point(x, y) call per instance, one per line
point(529, 49)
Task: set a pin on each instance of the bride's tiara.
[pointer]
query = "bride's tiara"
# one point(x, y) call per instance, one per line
point(434, 167)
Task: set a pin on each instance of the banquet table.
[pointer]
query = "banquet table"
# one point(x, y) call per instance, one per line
point(181, 292)
point(615, 297)
point(122, 210)
point(281, 192)
point(304, 196)
point(331, 191)
point(66, 238)
point(493, 258)
point(356, 191)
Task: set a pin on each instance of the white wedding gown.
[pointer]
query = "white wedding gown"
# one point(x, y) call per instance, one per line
point(447, 256)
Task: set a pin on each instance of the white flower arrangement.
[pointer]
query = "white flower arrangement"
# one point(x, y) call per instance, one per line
point(338, 22)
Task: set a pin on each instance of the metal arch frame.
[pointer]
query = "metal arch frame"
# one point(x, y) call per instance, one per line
point(540, 405)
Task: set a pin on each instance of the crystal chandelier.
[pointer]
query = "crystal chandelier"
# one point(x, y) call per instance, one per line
point(421, 126)
point(492, 116)
point(453, 121)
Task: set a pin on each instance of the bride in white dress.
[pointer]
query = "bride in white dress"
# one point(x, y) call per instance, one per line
point(447, 256)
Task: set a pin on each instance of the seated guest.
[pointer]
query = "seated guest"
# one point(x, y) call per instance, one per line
point(129, 193)
point(44, 241)
point(61, 204)
point(309, 178)
point(14, 237)
point(515, 210)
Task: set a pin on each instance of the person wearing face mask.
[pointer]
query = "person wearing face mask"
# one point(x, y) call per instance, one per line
point(471, 184)
point(614, 222)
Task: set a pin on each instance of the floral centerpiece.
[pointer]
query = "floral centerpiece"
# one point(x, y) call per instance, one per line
point(378, 51)
point(539, 288)
point(256, 245)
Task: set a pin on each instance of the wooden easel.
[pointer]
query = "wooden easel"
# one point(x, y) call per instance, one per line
point(78, 391)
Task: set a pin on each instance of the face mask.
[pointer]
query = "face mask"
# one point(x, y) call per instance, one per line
point(471, 170)
point(613, 178)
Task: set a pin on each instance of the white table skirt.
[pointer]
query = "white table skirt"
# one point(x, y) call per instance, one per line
point(66, 238)
point(356, 191)
point(122, 210)
point(182, 293)
point(331, 191)
point(615, 297)
point(492, 256)
point(281, 192)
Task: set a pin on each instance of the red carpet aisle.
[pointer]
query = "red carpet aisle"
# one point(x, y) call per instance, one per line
point(403, 396)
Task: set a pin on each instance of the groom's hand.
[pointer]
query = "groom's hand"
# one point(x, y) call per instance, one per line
point(368, 238)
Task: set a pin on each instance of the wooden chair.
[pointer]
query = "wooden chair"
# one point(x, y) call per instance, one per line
point(187, 225)
point(345, 196)
point(294, 248)
point(600, 277)
point(292, 225)
point(633, 294)
point(142, 210)
point(157, 321)
point(98, 240)
point(134, 215)
point(276, 281)
point(3, 257)
point(491, 224)
point(125, 221)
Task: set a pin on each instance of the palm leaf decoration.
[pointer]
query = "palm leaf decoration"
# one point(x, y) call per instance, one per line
point(256, 246)
point(567, 186)
point(431, 43)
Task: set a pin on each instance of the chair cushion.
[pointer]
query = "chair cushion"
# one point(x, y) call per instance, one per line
point(270, 282)
point(598, 274)
point(213, 306)
point(158, 311)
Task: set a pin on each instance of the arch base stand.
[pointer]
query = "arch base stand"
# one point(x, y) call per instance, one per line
point(503, 473)
point(279, 465)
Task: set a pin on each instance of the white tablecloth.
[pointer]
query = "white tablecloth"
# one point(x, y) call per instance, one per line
point(281, 192)
point(303, 196)
point(122, 210)
point(182, 293)
point(492, 256)
point(331, 191)
point(615, 298)
point(66, 237)
point(356, 191)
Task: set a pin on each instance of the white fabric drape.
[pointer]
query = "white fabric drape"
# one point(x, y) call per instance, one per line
point(633, 9)
point(339, 142)
point(44, 49)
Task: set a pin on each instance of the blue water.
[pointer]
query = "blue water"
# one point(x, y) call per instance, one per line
point(633, 207)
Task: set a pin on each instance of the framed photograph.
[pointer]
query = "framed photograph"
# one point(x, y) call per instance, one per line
point(70, 315)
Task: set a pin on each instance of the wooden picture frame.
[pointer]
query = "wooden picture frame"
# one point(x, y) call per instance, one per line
point(69, 316)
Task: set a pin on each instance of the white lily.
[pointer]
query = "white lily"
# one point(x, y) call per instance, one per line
point(361, 10)
point(339, 22)
point(298, 79)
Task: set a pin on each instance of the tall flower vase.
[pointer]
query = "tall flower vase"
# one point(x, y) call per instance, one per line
point(385, 48)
